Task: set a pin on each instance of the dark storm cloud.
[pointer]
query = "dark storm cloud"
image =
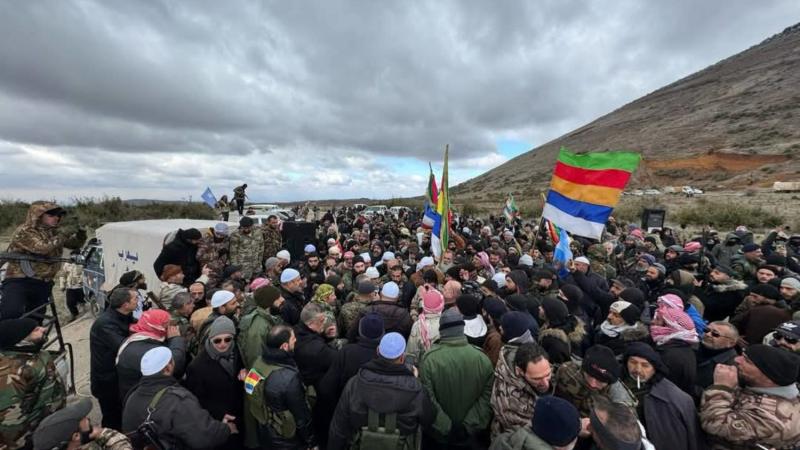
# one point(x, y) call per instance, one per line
point(333, 86)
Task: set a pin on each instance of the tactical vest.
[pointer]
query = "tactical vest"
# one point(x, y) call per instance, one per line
point(281, 422)
point(386, 437)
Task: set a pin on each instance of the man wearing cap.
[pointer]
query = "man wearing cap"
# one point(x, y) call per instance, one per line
point(176, 415)
point(247, 248)
point(763, 312)
point(28, 285)
point(71, 429)
point(765, 412)
point(292, 292)
point(786, 336)
point(790, 292)
point(721, 293)
point(351, 311)
point(459, 379)
point(621, 327)
point(746, 263)
point(30, 388)
point(213, 252)
point(555, 426)
point(181, 251)
point(223, 303)
point(108, 332)
point(254, 326)
point(384, 386)
point(426, 263)
point(272, 237)
point(581, 383)
point(667, 413)
point(395, 317)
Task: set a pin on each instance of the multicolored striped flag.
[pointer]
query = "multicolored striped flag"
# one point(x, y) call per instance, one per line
point(510, 209)
point(585, 188)
point(440, 235)
point(431, 217)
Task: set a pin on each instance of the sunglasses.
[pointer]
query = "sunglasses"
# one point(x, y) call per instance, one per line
point(221, 340)
point(789, 340)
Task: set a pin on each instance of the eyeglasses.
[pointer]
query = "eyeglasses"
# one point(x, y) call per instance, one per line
point(789, 340)
point(221, 340)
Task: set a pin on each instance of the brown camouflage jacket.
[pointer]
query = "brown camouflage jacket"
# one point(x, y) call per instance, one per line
point(272, 241)
point(30, 390)
point(512, 397)
point(741, 418)
point(34, 238)
point(109, 440)
point(215, 256)
point(570, 385)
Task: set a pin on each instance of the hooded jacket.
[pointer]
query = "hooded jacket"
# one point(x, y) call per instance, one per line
point(180, 252)
point(727, 249)
point(34, 238)
point(512, 397)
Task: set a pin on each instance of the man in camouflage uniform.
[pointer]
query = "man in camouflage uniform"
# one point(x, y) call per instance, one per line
point(247, 248)
point(27, 287)
point(350, 312)
point(213, 252)
point(182, 309)
point(598, 255)
point(597, 376)
point(71, 428)
point(272, 237)
point(763, 414)
point(30, 389)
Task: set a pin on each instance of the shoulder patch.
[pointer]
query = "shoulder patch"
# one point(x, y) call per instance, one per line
point(251, 381)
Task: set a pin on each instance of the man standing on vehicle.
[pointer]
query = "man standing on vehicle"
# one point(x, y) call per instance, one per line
point(238, 198)
point(30, 389)
point(29, 284)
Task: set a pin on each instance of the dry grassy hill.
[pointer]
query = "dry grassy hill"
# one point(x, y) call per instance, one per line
point(733, 125)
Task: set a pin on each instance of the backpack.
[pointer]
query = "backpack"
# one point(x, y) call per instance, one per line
point(386, 437)
point(145, 437)
point(281, 422)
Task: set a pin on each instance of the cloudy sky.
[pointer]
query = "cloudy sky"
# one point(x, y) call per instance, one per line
point(326, 99)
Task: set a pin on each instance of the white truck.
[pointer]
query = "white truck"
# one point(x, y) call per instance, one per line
point(124, 246)
point(786, 186)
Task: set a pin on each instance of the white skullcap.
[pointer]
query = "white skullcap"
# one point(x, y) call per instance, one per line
point(221, 229)
point(582, 259)
point(288, 275)
point(154, 360)
point(426, 261)
point(372, 273)
point(526, 260)
point(390, 290)
point(365, 257)
point(500, 279)
point(309, 248)
point(220, 298)
point(285, 255)
point(387, 256)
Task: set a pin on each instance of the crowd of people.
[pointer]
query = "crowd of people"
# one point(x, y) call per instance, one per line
point(642, 340)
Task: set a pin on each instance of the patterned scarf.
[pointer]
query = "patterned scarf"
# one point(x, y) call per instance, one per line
point(432, 304)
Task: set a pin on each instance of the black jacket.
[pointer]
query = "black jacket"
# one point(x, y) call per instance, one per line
point(721, 301)
point(346, 364)
point(179, 419)
point(217, 392)
point(313, 355)
point(395, 318)
point(181, 253)
point(383, 387)
point(107, 333)
point(707, 360)
point(129, 363)
point(284, 391)
point(680, 358)
point(671, 418)
point(292, 305)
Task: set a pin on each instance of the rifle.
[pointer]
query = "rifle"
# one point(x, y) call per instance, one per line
point(25, 260)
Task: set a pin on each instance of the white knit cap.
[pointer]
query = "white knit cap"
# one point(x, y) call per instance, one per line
point(500, 279)
point(154, 360)
point(582, 259)
point(372, 273)
point(285, 255)
point(221, 297)
point(365, 256)
point(426, 261)
point(387, 256)
point(309, 248)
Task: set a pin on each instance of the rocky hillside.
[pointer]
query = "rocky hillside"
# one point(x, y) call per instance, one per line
point(732, 125)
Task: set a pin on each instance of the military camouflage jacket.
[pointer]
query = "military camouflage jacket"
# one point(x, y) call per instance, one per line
point(34, 238)
point(741, 418)
point(109, 440)
point(215, 256)
point(512, 397)
point(30, 390)
point(570, 385)
point(272, 241)
point(247, 251)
